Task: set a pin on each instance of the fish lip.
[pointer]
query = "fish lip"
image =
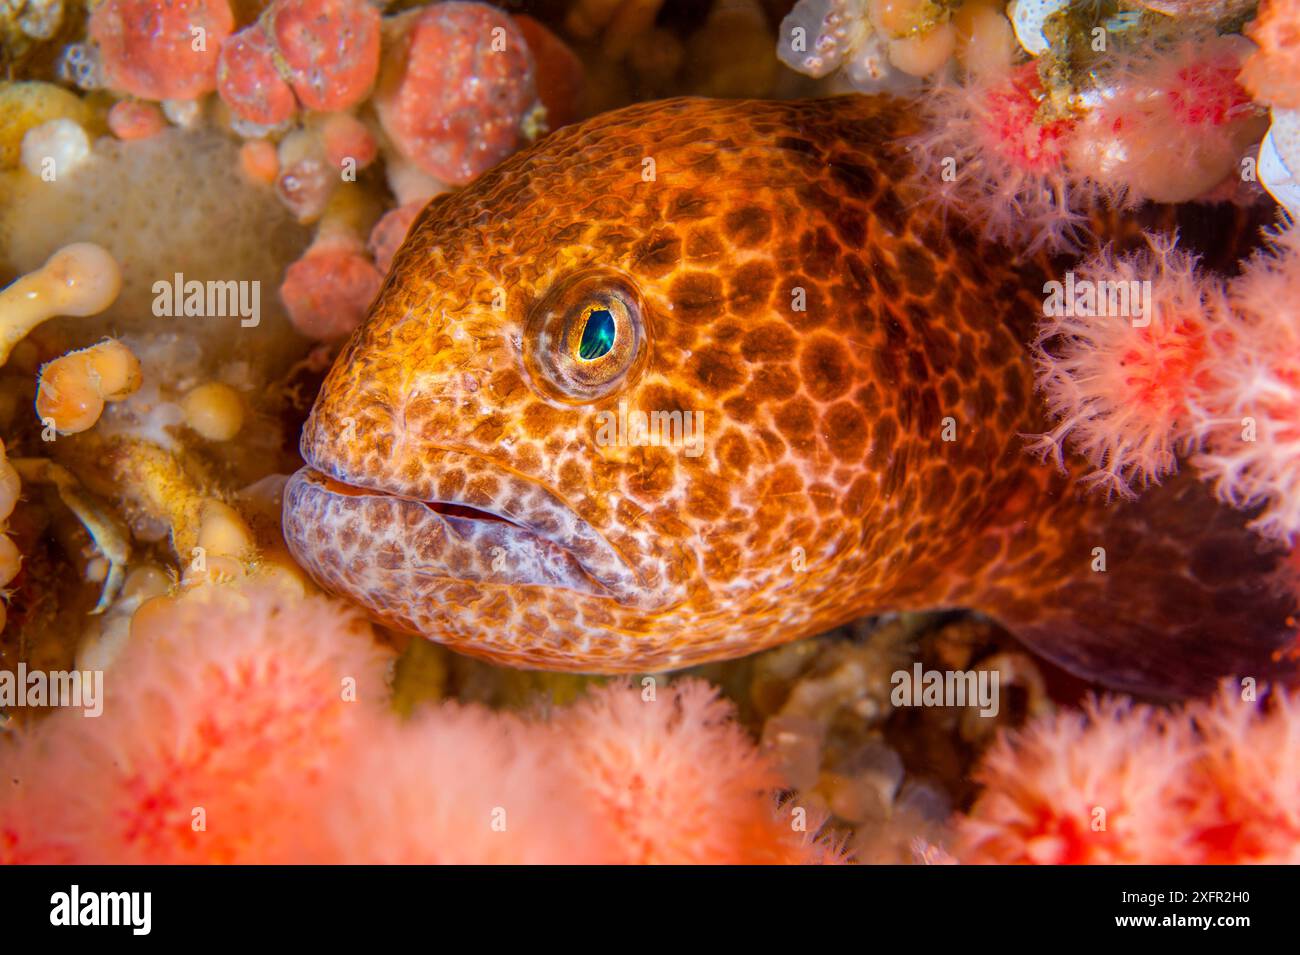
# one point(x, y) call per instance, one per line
point(611, 578)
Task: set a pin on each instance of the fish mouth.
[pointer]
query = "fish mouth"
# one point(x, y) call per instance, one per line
point(373, 542)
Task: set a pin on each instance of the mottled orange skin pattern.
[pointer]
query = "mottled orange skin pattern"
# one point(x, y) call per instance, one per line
point(826, 489)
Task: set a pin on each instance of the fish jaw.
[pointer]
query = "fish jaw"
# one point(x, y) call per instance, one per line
point(365, 543)
point(449, 559)
point(429, 573)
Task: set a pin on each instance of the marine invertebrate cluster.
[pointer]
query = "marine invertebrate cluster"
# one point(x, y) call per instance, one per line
point(310, 54)
point(1167, 127)
point(1121, 382)
point(1187, 366)
point(1025, 161)
point(1102, 785)
point(229, 696)
point(179, 210)
point(987, 153)
point(673, 778)
point(1249, 426)
point(74, 387)
point(222, 704)
point(1123, 782)
point(885, 44)
point(456, 89)
point(160, 51)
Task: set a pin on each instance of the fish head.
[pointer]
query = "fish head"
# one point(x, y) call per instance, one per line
point(589, 418)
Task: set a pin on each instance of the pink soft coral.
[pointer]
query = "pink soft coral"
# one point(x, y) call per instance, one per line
point(1100, 786)
point(1167, 125)
point(1272, 73)
point(674, 780)
point(247, 724)
point(455, 785)
point(218, 721)
point(1250, 424)
point(1121, 383)
point(1216, 782)
point(1213, 371)
point(989, 154)
point(613, 779)
point(1249, 774)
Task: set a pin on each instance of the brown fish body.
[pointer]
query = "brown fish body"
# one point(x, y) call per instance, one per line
point(860, 376)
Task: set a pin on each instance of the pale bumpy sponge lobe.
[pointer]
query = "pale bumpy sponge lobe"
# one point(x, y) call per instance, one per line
point(173, 203)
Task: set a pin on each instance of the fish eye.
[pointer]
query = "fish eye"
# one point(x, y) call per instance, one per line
point(598, 333)
point(586, 338)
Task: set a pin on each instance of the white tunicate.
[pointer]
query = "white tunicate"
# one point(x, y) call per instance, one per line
point(868, 68)
point(817, 35)
point(926, 800)
point(81, 66)
point(1028, 17)
point(1279, 156)
point(41, 19)
point(246, 130)
point(185, 113)
point(238, 374)
point(60, 140)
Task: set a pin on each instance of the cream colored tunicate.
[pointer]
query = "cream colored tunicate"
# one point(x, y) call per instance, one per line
point(214, 410)
point(868, 70)
point(817, 35)
point(79, 280)
point(74, 387)
point(185, 113)
point(897, 18)
point(1279, 155)
point(55, 148)
point(922, 54)
point(1027, 19)
point(986, 44)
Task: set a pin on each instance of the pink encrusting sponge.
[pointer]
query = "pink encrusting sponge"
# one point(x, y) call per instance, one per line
point(160, 51)
point(318, 54)
point(456, 89)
